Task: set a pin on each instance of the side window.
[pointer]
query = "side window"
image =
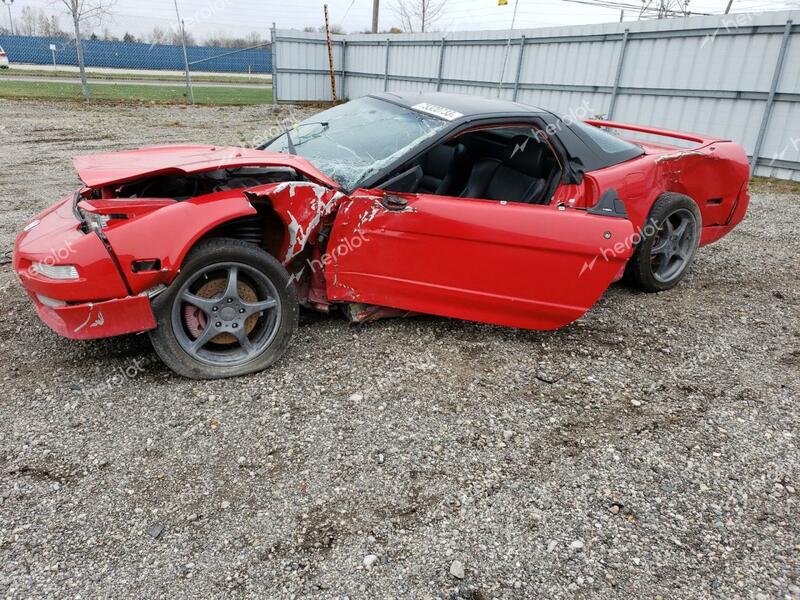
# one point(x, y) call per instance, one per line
point(512, 164)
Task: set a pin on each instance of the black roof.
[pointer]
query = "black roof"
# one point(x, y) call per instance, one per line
point(468, 106)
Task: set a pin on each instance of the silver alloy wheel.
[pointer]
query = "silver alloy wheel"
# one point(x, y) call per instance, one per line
point(673, 246)
point(227, 316)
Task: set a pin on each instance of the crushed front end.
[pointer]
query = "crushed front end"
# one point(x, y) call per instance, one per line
point(93, 261)
point(71, 274)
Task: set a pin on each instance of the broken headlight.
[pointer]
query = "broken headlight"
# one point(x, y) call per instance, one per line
point(94, 221)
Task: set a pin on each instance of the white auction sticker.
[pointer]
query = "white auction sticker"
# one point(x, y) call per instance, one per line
point(438, 111)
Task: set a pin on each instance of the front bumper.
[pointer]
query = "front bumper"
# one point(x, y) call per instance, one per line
point(99, 303)
point(93, 320)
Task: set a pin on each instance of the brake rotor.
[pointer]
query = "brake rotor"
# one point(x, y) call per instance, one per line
point(196, 320)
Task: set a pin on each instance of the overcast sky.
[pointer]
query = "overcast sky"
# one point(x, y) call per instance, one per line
point(239, 17)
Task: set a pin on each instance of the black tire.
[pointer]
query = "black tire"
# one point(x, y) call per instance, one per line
point(660, 262)
point(243, 267)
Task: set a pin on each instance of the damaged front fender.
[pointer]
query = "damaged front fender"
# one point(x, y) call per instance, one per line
point(169, 233)
point(303, 207)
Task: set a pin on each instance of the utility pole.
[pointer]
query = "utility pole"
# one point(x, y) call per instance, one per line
point(8, 4)
point(375, 8)
point(189, 92)
point(330, 53)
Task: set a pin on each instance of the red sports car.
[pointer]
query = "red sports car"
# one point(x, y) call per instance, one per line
point(391, 204)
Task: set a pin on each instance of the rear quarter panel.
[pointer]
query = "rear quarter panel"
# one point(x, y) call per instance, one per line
point(714, 176)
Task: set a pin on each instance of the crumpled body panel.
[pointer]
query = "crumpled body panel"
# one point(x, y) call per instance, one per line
point(105, 169)
point(303, 207)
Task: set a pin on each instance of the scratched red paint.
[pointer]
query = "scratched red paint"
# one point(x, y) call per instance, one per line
point(511, 264)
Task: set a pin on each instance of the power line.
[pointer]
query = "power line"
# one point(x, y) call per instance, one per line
point(347, 12)
point(660, 9)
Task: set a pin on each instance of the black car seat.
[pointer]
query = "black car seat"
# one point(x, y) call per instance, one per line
point(444, 170)
point(521, 177)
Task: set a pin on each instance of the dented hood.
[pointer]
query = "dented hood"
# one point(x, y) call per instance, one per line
point(97, 170)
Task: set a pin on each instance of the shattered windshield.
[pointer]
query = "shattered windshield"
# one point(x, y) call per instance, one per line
point(353, 141)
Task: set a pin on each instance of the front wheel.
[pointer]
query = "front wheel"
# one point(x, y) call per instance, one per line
point(667, 246)
point(231, 311)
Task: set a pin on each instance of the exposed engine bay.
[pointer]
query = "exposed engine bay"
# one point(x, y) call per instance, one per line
point(185, 186)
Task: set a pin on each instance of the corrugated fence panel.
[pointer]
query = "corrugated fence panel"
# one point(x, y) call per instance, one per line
point(790, 81)
point(414, 61)
point(301, 66)
point(713, 75)
point(482, 63)
point(366, 59)
point(360, 86)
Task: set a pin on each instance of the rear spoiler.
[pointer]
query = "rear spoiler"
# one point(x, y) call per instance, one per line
point(677, 135)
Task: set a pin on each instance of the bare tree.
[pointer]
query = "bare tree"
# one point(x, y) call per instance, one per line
point(159, 35)
point(418, 15)
point(35, 21)
point(82, 11)
point(176, 38)
point(44, 24)
point(55, 28)
point(254, 38)
point(28, 21)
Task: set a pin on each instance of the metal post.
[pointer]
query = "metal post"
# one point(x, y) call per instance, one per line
point(273, 46)
point(375, 8)
point(386, 69)
point(8, 4)
point(344, 65)
point(519, 67)
point(508, 49)
point(441, 65)
point(776, 77)
point(189, 91)
point(612, 105)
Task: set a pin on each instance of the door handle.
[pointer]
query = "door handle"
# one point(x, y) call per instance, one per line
point(391, 202)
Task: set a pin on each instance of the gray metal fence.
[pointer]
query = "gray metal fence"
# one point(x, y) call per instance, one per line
point(734, 76)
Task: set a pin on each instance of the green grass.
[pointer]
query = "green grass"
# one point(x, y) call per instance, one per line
point(763, 185)
point(223, 96)
point(132, 75)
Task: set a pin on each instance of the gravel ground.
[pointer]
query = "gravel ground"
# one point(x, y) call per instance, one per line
point(649, 450)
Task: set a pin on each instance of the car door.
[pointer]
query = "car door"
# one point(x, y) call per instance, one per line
point(519, 265)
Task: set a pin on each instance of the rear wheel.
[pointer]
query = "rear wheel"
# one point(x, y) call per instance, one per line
point(231, 311)
point(668, 244)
